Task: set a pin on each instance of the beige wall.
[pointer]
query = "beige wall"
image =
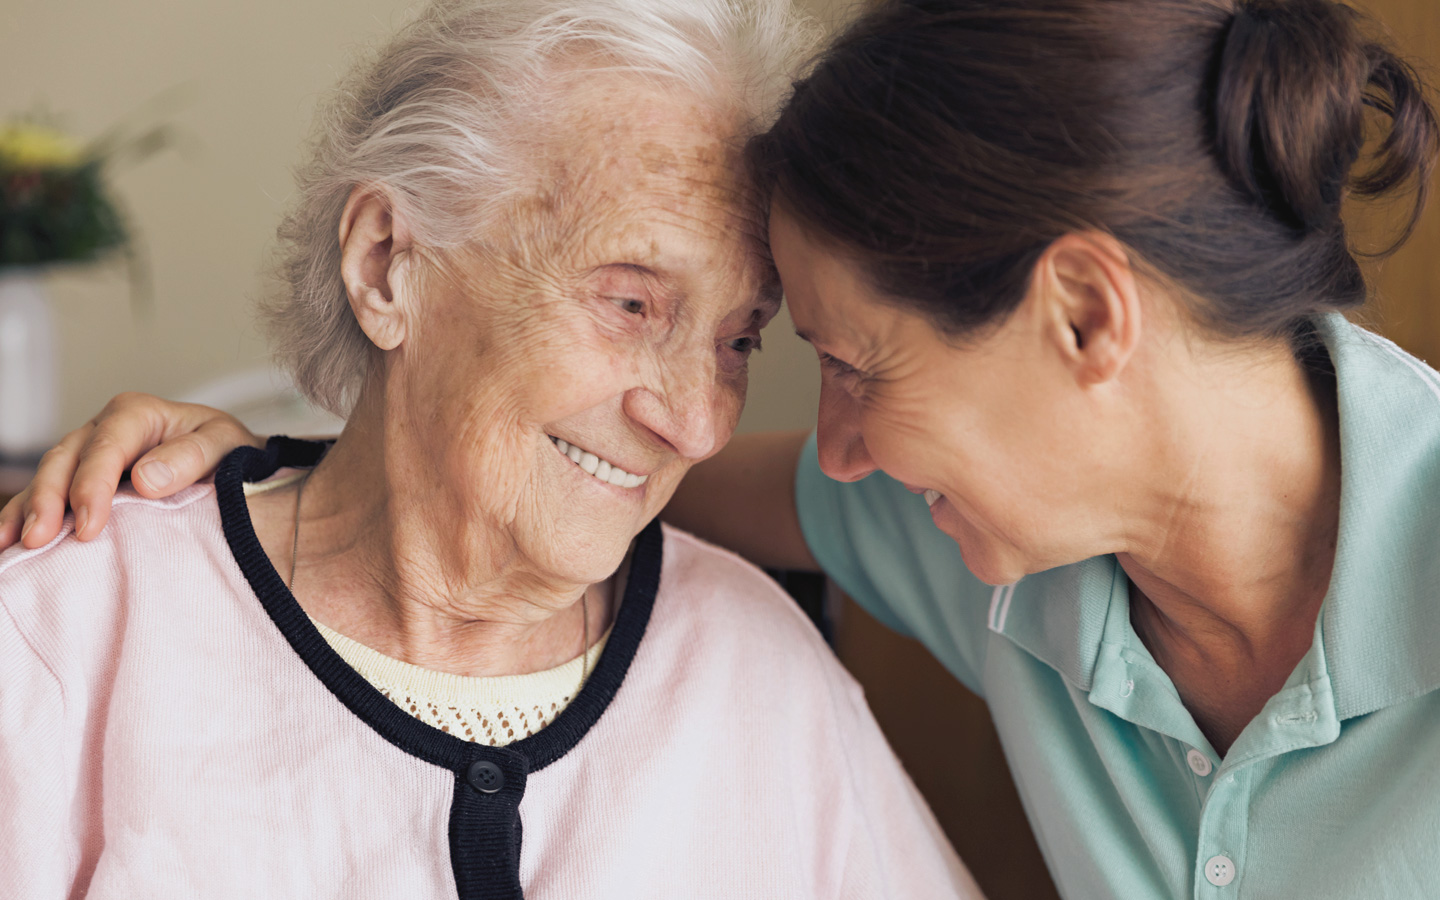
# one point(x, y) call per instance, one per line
point(248, 75)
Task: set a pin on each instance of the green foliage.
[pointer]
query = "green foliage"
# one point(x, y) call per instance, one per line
point(56, 214)
point(54, 203)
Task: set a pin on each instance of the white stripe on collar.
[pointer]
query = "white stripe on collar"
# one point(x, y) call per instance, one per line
point(1000, 606)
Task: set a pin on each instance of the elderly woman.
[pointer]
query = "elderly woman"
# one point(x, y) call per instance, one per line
point(408, 666)
point(1075, 272)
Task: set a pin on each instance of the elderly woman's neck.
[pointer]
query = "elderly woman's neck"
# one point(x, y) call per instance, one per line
point(389, 555)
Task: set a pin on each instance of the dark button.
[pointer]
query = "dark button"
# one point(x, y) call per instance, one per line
point(485, 777)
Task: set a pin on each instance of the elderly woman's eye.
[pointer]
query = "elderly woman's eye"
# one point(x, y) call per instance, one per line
point(630, 305)
point(745, 344)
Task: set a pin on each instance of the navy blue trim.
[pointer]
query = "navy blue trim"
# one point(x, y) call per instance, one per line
point(485, 828)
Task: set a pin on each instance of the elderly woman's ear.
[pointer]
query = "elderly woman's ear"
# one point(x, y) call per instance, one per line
point(374, 253)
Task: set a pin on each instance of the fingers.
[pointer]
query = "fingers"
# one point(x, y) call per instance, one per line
point(11, 520)
point(41, 506)
point(192, 440)
point(183, 460)
point(129, 425)
point(185, 443)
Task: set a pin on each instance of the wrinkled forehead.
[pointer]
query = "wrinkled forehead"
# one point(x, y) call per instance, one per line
point(620, 159)
point(661, 129)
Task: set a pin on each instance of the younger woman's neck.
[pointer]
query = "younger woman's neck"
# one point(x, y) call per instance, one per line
point(1234, 558)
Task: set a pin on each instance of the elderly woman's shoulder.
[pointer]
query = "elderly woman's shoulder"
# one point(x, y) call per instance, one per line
point(719, 585)
point(718, 619)
point(67, 606)
point(159, 522)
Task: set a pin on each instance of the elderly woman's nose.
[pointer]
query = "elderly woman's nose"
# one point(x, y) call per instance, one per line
point(843, 454)
point(682, 410)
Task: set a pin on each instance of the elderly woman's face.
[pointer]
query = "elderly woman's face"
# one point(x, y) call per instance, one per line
point(610, 318)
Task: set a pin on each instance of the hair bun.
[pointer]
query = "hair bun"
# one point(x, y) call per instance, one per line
point(1294, 78)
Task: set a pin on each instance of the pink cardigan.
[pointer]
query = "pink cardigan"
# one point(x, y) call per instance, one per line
point(172, 725)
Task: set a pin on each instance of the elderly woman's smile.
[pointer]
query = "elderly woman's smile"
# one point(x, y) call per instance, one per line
point(603, 470)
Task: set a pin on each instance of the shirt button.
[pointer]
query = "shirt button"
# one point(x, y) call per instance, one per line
point(1219, 870)
point(485, 777)
point(1199, 763)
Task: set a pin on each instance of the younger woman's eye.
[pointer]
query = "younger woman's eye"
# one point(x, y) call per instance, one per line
point(837, 366)
point(629, 305)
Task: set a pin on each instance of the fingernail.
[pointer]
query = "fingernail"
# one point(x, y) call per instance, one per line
point(156, 474)
point(82, 515)
point(29, 524)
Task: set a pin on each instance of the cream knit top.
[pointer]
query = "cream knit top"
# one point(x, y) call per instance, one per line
point(495, 711)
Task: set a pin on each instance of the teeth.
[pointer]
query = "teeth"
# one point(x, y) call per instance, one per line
point(603, 470)
point(931, 497)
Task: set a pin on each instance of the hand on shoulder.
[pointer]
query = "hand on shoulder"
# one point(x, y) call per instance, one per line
point(165, 445)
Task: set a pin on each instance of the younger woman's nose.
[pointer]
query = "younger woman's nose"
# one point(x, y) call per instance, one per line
point(843, 455)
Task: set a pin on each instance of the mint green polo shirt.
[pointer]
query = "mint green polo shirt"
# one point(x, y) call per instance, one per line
point(1333, 791)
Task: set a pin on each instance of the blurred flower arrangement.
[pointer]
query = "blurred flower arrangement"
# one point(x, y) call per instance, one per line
point(54, 203)
point(55, 209)
point(53, 206)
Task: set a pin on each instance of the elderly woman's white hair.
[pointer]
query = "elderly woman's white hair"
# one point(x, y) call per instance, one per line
point(434, 117)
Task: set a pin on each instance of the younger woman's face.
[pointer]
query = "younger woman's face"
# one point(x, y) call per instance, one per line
point(987, 431)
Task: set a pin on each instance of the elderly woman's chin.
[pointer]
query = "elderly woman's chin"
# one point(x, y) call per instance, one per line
point(582, 538)
point(574, 552)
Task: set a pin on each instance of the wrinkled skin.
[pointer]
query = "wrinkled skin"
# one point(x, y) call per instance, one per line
point(614, 307)
point(898, 396)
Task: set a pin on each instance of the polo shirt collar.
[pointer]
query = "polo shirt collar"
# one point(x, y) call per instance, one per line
point(1381, 615)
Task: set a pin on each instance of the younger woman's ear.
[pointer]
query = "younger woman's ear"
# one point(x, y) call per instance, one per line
point(1091, 304)
point(374, 249)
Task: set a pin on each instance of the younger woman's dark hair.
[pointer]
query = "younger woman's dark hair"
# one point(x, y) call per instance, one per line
point(945, 144)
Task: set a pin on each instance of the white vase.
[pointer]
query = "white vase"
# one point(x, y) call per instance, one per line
point(29, 365)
